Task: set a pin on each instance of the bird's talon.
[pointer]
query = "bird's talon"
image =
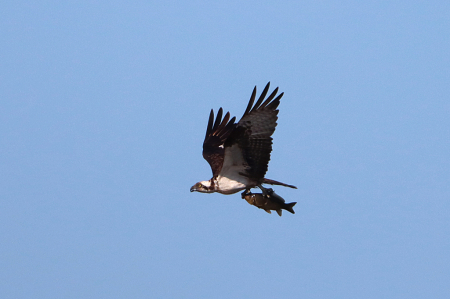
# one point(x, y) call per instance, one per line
point(246, 192)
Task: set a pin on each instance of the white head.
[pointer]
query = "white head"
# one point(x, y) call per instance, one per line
point(203, 186)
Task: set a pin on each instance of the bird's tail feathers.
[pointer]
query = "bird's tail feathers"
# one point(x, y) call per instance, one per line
point(273, 182)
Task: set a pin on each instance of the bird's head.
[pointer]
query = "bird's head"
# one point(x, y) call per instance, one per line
point(203, 186)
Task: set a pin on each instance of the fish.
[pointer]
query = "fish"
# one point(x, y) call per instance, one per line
point(269, 201)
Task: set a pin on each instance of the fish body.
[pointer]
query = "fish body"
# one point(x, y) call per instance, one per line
point(268, 202)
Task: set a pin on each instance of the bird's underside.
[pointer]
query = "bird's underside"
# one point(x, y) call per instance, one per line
point(239, 153)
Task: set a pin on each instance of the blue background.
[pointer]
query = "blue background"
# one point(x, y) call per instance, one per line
point(103, 111)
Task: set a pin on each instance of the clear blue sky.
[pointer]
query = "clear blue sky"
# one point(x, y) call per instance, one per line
point(103, 110)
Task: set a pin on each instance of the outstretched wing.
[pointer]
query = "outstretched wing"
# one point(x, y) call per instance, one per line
point(217, 133)
point(253, 132)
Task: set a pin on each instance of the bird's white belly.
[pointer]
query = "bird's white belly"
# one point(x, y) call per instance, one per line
point(227, 185)
point(230, 180)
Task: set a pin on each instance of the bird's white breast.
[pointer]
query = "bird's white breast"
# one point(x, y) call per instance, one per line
point(230, 180)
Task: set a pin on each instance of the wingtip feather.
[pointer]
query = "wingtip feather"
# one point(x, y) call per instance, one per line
point(210, 122)
point(218, 119)
point(261, 97)
point(251, 101)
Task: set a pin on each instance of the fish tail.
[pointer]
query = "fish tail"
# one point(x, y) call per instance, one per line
point(289, 207)
point(273, 182)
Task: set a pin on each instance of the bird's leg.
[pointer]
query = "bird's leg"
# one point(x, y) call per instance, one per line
point(246, 192)
point(267, 192)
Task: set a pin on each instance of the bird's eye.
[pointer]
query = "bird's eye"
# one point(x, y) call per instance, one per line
point(199, 185)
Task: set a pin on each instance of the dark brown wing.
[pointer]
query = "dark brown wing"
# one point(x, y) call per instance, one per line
point(217, 133)
point(254, 130)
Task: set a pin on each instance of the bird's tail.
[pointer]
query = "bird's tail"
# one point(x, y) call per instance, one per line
point(273, 182)
point(289, 207)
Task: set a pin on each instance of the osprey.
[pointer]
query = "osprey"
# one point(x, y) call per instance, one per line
point(239, 153)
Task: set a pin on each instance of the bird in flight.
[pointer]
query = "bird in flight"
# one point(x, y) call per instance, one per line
point(239, 153)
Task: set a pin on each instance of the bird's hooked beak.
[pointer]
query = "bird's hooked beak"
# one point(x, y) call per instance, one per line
point(193, 188)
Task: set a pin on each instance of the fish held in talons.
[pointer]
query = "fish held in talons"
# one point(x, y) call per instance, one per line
point(268, 202)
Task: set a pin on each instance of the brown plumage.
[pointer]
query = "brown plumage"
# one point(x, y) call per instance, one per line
point(239, 152)
point(252, 134)
point(271, 201)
